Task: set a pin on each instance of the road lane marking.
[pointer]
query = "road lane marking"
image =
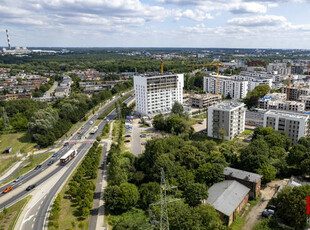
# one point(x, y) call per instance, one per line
point(30, 217)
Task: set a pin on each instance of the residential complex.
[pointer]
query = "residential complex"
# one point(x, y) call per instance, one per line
point(295, 125)
point(204, 100)
point(254, 81)
point(277, 101)
point(226, 118)
point(296, 92)
point(228, 86)
point(157, 93)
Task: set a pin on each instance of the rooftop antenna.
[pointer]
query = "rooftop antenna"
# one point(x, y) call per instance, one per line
point(7, 35)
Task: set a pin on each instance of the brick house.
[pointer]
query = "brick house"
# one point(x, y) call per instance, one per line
point(249, 179)
point(228, 197)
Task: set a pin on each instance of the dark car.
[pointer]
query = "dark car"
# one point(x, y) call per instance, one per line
point(127, 135)
point(66, 144)
point(38, 166)
point(200, 122)
point(50, 162)
point(268, 212)
point(143, 135)
point(55, 155)
point(30, 187)
point(127, 141)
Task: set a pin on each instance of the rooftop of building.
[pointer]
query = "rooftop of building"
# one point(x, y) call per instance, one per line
point(226, 196)
point(242, 175)
point(156, 75)
point(204, 96)
point(229, 105)
point(288, 114)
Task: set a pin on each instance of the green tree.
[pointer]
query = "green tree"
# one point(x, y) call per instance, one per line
point(177, 109)
point(253, 96)
point(149, 193)
point(195, 193)
point(268, 171)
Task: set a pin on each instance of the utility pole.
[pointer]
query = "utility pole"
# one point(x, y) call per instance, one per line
point(164, 200)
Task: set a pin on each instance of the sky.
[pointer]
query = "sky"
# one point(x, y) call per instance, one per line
point(156, 23)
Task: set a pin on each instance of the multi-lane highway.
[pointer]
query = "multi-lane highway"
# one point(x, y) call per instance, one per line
point(85, 139)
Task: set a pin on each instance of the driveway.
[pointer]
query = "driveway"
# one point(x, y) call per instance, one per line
point(200, 127)
point(256, 212)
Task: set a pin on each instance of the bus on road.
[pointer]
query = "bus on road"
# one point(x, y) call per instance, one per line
point(68, 156)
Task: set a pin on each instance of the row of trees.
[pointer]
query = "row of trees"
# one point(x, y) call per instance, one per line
point(81, 188)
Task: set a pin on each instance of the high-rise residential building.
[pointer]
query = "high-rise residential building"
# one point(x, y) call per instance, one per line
point(226, 118)
point(296, 92)
point(295, 125)
point(157, 93)
point(236, 89)
point(279, 68)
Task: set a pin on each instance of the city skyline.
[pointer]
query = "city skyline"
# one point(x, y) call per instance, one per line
point(156, 23)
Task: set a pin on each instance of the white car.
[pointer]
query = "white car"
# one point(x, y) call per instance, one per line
point(91, 122)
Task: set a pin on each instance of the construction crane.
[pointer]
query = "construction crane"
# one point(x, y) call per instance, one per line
point(7, 36)
point(218, 64)
point(162, 65)
point(288, 87)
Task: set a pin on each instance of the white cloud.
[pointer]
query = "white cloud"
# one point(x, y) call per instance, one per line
point(248, 7)
point(263, 20)
point(196, 15)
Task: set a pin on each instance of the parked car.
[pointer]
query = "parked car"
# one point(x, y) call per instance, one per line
point(143, 143)
point(50, 162)
point(7, 189)
point(268, 212)
point(127, 135)
point(55, 155)
point(143, 135)
point(38, 166)
point(66, 143)
point(30, 187)
point(18, 178)
point(127, 141)
point(200, 122)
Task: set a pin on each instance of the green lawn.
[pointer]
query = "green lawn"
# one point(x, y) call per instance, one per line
point(201, 116)
point(8, 217)
point(6, 163)
point(97, 123)
point(32, 164)
point(18, 142)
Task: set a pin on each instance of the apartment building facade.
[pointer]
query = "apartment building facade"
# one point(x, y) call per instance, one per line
point(157, 94)
point(204, 100)
point(295, 125)
point(227, 117)
point(254, 81)
point(296, 92)
point(236, 89)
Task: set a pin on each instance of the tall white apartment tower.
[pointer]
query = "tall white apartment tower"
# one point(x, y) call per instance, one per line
point(227, 117)
point(157, 93)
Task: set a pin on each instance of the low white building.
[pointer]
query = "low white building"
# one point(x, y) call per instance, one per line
point(254, 81)
point(295, 125)
point(277, 101)
point(227, 116)
point(157, 93)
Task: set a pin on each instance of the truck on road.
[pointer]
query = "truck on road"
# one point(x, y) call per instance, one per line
point(94, 130)
point(68, 156)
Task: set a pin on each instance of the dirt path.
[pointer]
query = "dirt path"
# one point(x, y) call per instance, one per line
point(256, 212)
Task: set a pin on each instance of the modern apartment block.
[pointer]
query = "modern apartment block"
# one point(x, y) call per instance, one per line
point(237, 89)
point(227, 116)
point(204, 100)
point(254, 81)
point(296, 92)
point(306, 100)
point(277, 101)
point(279, 68)
point(157, 93)
point(295, 125)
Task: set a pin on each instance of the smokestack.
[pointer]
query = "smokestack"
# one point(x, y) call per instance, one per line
point(7, 35)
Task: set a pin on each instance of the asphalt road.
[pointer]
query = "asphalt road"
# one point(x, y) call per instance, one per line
point(38, 224)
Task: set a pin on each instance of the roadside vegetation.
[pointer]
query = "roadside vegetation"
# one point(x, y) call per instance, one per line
point(71, 208)
point(9, 215)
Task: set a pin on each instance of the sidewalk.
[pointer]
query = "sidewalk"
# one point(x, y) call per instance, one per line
point(97, 212)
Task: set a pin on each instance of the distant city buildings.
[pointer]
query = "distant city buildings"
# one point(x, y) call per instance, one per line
point(227, 119)
point(295, 125)
point(157, 93)
point(277, 101)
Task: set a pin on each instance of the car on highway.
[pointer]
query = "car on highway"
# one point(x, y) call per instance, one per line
point(127, 135)
point(7, 189)
point(91, 122)
point(66, 143)
point(82, 127)
point(55, 155)
point(37, 167)
point(18, 178)
point(30, 187)
point(79, 132)
point(50, 162)
point(127, 141)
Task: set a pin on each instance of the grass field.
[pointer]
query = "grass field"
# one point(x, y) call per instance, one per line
point(8, 217)
point(18, 142)
point(34, 162)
